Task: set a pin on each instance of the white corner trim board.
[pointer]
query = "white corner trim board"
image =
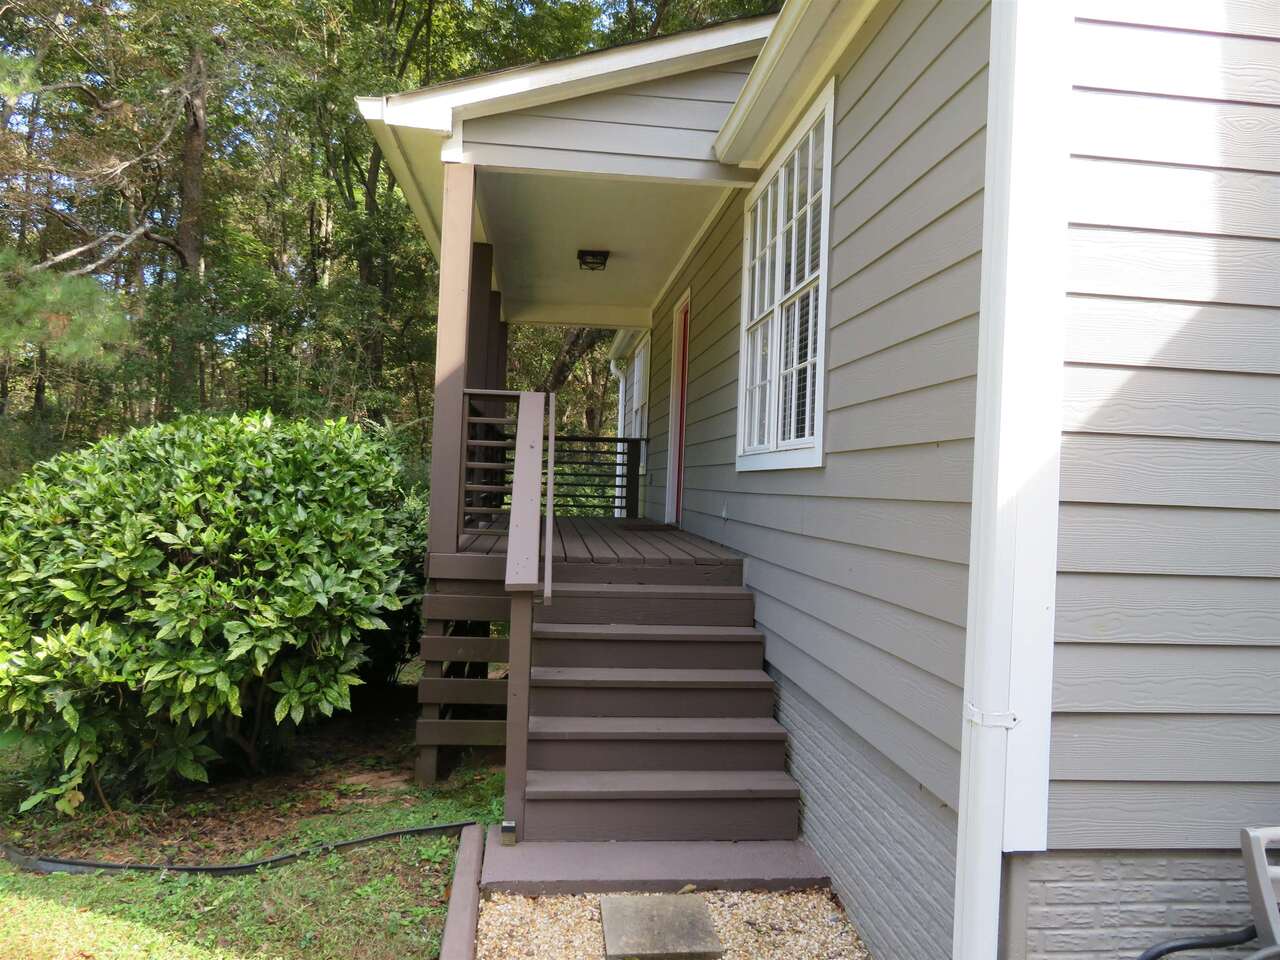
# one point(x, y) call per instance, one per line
point(1004, 775)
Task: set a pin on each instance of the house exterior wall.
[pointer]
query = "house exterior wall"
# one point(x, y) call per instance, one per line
point(663, 128)
point(1086, 904)
point(1165, 728)
point(1168, 652)
point(859, 566)
point(896, 879)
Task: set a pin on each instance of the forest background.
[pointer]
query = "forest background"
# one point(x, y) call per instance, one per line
point(193, 216)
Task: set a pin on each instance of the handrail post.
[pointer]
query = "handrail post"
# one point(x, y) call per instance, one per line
point(519, 663)
point(522, 583)
point(633, 477)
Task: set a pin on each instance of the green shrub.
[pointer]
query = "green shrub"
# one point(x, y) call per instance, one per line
point(182, 592)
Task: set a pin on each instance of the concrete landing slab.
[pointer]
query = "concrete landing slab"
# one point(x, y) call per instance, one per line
point(663, 927)
point(534, 868)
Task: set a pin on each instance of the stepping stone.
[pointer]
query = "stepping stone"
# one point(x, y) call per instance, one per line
point(670, 926)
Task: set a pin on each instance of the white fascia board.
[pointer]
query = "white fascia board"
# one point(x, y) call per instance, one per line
point(1009, 643)
point(438, 108)
point(799, 57)
point(417, 194)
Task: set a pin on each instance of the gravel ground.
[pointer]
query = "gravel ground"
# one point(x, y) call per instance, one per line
point(804, 925)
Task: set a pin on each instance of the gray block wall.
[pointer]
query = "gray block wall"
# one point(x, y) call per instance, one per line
point(888, 842)
point(1113, 904)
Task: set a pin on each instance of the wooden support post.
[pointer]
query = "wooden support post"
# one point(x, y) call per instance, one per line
point(427, 764)
point(500, 361)
point(451, 356)
point(478, 317)
point(520, 653)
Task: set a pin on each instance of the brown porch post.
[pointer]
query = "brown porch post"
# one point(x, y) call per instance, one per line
point(478, 317)
point(451, 356)
point(502, 330)
point(497, 343)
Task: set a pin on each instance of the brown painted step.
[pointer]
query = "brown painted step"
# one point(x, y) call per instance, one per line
point(644, 603)
point(661, 805)
point(656, 743)
point(725, 573)
point(627, 692)
point(645, 645)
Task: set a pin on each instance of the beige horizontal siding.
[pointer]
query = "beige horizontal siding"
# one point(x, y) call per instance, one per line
point(860, 566)
point(661, 128)
point(1138, 813)
point(1168, 610)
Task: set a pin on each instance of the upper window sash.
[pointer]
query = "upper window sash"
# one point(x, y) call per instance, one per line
point(783, 330)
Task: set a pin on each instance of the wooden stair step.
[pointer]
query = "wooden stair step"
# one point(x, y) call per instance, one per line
point(637, 571)
point(648, 678)
point(661, 805)
point(663, 591)
point(717, 729)
point(656, 743)
point(649, 692)
point(650, 604)
point(633, 645)
point(672, 633)
point(606, 785)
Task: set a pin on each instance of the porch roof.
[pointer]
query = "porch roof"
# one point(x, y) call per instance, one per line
point(421, 129)
point(629, 149)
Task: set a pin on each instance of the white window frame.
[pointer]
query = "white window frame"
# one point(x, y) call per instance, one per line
point(774, 454)
point(633, 409)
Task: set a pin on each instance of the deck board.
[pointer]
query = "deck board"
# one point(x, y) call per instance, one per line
point(626, 552)
point(611, 540)
point(597, 545)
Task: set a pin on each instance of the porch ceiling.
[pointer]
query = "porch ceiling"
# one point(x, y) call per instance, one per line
point(538, 222)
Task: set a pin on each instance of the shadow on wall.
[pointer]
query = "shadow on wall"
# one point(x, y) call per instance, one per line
point(1168, 610)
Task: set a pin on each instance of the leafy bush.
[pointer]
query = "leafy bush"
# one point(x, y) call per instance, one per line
point(184, 591)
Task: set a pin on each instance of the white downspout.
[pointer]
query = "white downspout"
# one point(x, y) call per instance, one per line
point(1013, 545)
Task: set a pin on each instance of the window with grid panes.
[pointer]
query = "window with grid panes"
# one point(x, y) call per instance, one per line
point(783, 322)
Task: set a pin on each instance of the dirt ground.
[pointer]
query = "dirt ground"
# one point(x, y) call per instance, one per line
point(349, 765)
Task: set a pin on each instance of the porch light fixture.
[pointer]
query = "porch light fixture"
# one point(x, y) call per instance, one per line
point(593, 259)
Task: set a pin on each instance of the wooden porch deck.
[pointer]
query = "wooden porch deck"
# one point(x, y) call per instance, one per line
point(609, 540)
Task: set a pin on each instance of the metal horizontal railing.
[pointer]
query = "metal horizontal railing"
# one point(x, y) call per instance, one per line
point(598, 475)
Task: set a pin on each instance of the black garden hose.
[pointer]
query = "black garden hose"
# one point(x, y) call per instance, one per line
point(1232, 939)
point(42, 864)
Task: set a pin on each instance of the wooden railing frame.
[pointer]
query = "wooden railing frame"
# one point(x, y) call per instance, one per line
point(523, 555)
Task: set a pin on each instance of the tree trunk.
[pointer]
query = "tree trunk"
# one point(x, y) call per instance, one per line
point(577, 344)
point(190, 233)
point(42, 366)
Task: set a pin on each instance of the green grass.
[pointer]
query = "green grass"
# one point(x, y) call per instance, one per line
point(386, 901)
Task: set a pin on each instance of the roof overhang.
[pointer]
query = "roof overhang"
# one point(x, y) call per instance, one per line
point(414, 128)
point(807, 41)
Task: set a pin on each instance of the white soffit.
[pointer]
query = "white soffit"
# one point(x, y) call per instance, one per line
point(538, 222)
point(807, 41)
